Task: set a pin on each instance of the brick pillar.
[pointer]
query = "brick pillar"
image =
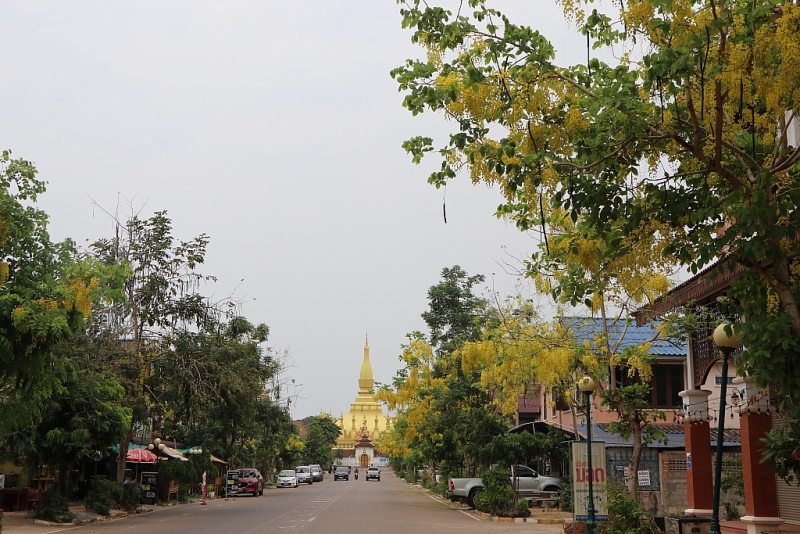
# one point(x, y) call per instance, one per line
point(699, 473)
point(760, 491)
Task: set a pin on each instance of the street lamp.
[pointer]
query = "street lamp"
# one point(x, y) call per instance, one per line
point(587, 386)
point(195, 450)
point(728, 341)
point(156, 444)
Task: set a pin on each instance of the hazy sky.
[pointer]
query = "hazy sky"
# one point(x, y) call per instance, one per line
point(275, 128)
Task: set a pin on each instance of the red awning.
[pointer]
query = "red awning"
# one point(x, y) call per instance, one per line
point(140, 456)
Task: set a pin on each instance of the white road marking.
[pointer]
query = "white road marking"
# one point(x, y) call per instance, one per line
point(462, 511)
point(310, 520)
point(468, 515)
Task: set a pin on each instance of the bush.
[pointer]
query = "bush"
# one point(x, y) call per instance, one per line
point(522, 505)
point(565, 499)
point(625, 514)
point(131, 494)
point(497, 494)
point(104, 494)
point(54, 507)
point(426, 480)
point(410, 476)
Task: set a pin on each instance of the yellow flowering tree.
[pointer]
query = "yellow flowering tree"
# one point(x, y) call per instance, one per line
point(45, 295)
point(689, 130)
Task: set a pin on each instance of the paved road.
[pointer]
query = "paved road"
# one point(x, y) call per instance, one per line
point(342, 507)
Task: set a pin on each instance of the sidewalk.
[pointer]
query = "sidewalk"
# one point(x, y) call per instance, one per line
point(21, 523)
point(541, 521)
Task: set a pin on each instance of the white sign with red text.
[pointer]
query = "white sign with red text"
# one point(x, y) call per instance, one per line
point(580, 480)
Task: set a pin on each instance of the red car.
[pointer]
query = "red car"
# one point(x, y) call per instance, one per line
point(251, 481)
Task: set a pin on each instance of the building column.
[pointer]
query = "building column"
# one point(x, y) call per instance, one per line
point(760, 490)
point(697, 436)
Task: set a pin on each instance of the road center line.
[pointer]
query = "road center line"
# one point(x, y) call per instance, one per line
point(310, 520)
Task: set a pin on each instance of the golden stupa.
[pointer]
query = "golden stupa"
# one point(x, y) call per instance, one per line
point(366, 413)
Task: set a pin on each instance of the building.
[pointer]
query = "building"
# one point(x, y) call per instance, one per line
point(364, 423)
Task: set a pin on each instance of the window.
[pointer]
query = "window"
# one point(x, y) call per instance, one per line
point(665, 386)
point(718, 380)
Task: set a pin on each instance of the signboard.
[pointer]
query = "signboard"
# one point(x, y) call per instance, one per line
point(580, 478)
point(232, 487)
point(149, 481)
point(643, 477)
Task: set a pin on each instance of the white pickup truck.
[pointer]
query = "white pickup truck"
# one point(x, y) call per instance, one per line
point(529, 485)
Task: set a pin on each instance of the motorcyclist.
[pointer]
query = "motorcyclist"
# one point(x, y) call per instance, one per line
point(356, 473)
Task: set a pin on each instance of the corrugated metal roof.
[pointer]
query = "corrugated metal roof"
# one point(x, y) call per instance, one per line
point(586, 328)
point(674, 433)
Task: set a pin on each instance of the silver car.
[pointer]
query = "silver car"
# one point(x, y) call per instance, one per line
point(316, 472)
point(303, 474)
point(286, 479)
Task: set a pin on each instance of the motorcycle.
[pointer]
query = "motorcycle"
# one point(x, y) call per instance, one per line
point(356, 474)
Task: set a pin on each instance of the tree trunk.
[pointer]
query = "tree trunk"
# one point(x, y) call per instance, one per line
point(123, 453)
point(633, 469)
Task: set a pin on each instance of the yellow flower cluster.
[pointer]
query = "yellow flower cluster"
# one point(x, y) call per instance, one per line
point(81, 295)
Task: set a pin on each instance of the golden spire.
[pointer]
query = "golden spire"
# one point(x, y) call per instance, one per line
point(365, 380)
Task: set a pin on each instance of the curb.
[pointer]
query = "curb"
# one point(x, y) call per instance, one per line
point(535, 521)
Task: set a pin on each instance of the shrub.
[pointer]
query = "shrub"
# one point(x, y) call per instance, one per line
point(54, 507)
point(104, 494)
point(565, 499)
point(131, 494)
point(426, 480)
point(625, 514)
point(410, 476)
point(732, 487)
point(497, 494)
point(522, 505)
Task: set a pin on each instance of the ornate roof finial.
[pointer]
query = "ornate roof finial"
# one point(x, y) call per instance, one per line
point(366, 339)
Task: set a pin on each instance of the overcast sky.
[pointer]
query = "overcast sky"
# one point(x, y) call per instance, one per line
point(275, 128)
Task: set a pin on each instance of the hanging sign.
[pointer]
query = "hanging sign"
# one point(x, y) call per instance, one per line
point(581, 476)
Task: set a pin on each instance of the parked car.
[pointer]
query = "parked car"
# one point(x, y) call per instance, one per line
point(316, 472)
point(374, 472)
point(341, 472)
point(303, 474)
point(528, 482)
point(251, 481)
point(286, 479)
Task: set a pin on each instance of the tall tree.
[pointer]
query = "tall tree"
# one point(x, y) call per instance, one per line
point(44, 296)
point(320, 439)
point(455, 314)
point(688, 135)
point(160, 296)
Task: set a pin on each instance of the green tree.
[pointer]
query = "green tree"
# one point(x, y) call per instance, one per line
point(455, 314)
point(80, 420)
point(44, 296)
point(320, 439)
point(686, 134)
point(161, 297)
point(445, 414)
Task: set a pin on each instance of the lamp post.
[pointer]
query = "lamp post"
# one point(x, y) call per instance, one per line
point(587, 386)
point(728, 341)
point(195, 451)
point(156, 444)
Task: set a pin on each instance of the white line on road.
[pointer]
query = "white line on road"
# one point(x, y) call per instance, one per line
point(462, 511)
point(310, 520)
